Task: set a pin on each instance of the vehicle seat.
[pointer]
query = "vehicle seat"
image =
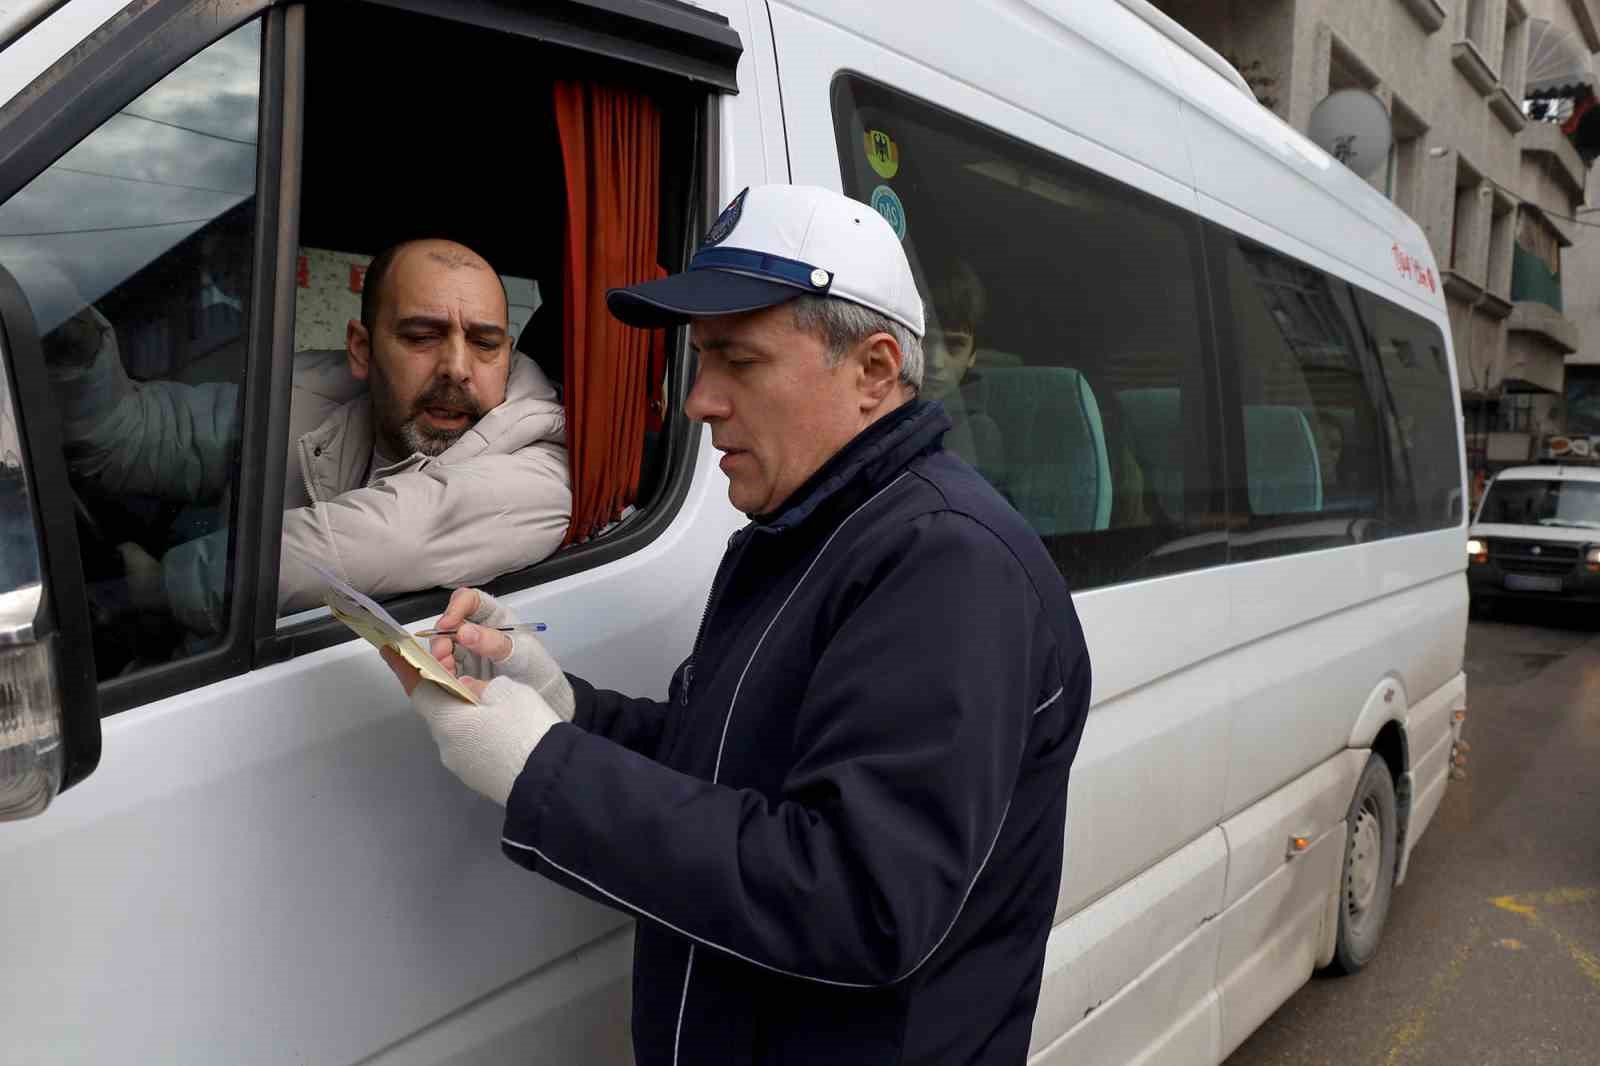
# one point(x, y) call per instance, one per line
point(1359, 471)
point(1154, 418)
point(1055, 468)
point(541, 338)
point(1281, 461)
point(987, 358)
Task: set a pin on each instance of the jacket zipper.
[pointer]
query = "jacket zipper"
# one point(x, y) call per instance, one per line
point(711, 601)
point(305, 472)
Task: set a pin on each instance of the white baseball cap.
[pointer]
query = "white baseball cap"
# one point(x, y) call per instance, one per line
point(772, 244)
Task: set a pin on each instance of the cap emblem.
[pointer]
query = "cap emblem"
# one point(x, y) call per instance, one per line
point(726, 221)
point(820, 278)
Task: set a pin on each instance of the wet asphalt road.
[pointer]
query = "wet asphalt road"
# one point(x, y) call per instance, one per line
point(1491, 955)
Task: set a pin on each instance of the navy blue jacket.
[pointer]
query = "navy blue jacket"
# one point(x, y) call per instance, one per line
point(843, 832)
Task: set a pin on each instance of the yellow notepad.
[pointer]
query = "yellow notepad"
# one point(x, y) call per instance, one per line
point(369, 621)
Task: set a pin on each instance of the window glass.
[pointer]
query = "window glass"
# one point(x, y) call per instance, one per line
point(423, 454)
point(1312, 459)
point(1413, 373)
point(1065, 330)
point(134, 250)
point(1540, 502)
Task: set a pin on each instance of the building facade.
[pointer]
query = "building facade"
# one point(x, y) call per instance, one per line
point(1581, 293)
point(1480, 159)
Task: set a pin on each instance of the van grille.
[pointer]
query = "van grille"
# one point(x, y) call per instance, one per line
point(1533, 557)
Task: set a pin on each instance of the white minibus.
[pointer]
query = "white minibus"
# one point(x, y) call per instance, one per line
point(1209, 364)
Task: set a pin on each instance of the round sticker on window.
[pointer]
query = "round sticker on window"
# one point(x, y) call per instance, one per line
point(887, 203)
point(883, 154)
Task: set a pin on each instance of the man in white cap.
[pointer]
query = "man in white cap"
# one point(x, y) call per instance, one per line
point(843, 831)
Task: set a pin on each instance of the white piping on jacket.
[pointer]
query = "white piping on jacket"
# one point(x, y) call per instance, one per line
point(716, 770)
point(689, 968)
point(779, 614)
point(757, 962)
point(1049, 701)
point(677, 1035)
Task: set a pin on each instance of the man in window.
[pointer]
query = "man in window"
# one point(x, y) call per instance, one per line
point(843, 832)
point(1329, 433)
point(427, 453)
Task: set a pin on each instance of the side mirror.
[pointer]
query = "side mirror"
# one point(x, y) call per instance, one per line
point(31, 754)
point(30, 706)
point(49, 718)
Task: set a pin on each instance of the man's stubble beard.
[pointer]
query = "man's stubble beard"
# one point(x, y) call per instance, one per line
point(412, 436)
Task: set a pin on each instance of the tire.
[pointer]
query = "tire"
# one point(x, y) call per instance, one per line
point(1366, 883)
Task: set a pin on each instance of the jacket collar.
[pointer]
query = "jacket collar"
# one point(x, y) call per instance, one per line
point(335, 457)
point(871, 459)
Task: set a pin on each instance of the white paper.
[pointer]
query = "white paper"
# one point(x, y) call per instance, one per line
point(368, 620)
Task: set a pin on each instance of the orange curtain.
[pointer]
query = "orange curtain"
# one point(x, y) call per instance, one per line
point(611, 150)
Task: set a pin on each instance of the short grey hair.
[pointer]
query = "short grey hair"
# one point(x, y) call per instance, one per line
point(842, 324)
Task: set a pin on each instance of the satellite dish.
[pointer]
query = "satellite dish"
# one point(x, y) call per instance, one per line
point(1352, 125)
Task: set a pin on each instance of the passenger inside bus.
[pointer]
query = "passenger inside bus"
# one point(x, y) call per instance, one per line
point(955, 305)
point(428, 429)
point(152, 222)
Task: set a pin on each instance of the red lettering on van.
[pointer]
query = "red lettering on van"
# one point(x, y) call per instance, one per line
point(1411, 269)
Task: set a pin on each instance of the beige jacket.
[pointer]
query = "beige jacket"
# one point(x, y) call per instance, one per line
point(497, 500)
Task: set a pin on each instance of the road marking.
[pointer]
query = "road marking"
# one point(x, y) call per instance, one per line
point(1410, 1034)
point(1509, 903)
point(1527, 906)
point(1528, 902)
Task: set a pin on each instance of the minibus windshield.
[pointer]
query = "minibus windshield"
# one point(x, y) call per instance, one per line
point(1545, 503)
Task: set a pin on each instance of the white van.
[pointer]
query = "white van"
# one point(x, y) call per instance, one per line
point(1216, 365)
point(1536, 537)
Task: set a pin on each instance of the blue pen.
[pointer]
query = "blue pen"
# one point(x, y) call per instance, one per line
point(530, 627)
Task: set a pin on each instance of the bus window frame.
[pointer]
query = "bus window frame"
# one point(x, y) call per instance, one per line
point(139, 47)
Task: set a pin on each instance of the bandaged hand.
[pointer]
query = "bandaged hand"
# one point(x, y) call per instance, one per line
point(486, 746)
point(480, 651)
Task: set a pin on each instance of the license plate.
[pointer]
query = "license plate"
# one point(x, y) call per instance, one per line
point(1532, 583)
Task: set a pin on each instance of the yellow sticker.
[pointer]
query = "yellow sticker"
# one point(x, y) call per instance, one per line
point(883, 154)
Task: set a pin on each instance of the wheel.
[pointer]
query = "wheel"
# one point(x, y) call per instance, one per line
point(1367, 883)
point(1482, 607)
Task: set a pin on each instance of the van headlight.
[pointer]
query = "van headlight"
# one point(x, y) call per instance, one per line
point(1591, 560)
point(1478, 550)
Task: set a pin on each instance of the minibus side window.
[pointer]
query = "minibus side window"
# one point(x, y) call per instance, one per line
point(1067, 333)
point(401, 508)
point(1312, 463)
point(1412, 379)
point(134, 250)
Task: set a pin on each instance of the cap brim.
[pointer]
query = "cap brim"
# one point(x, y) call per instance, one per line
point(675, 300)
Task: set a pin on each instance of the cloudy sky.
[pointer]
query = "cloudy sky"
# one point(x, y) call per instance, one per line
point(155, 172)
